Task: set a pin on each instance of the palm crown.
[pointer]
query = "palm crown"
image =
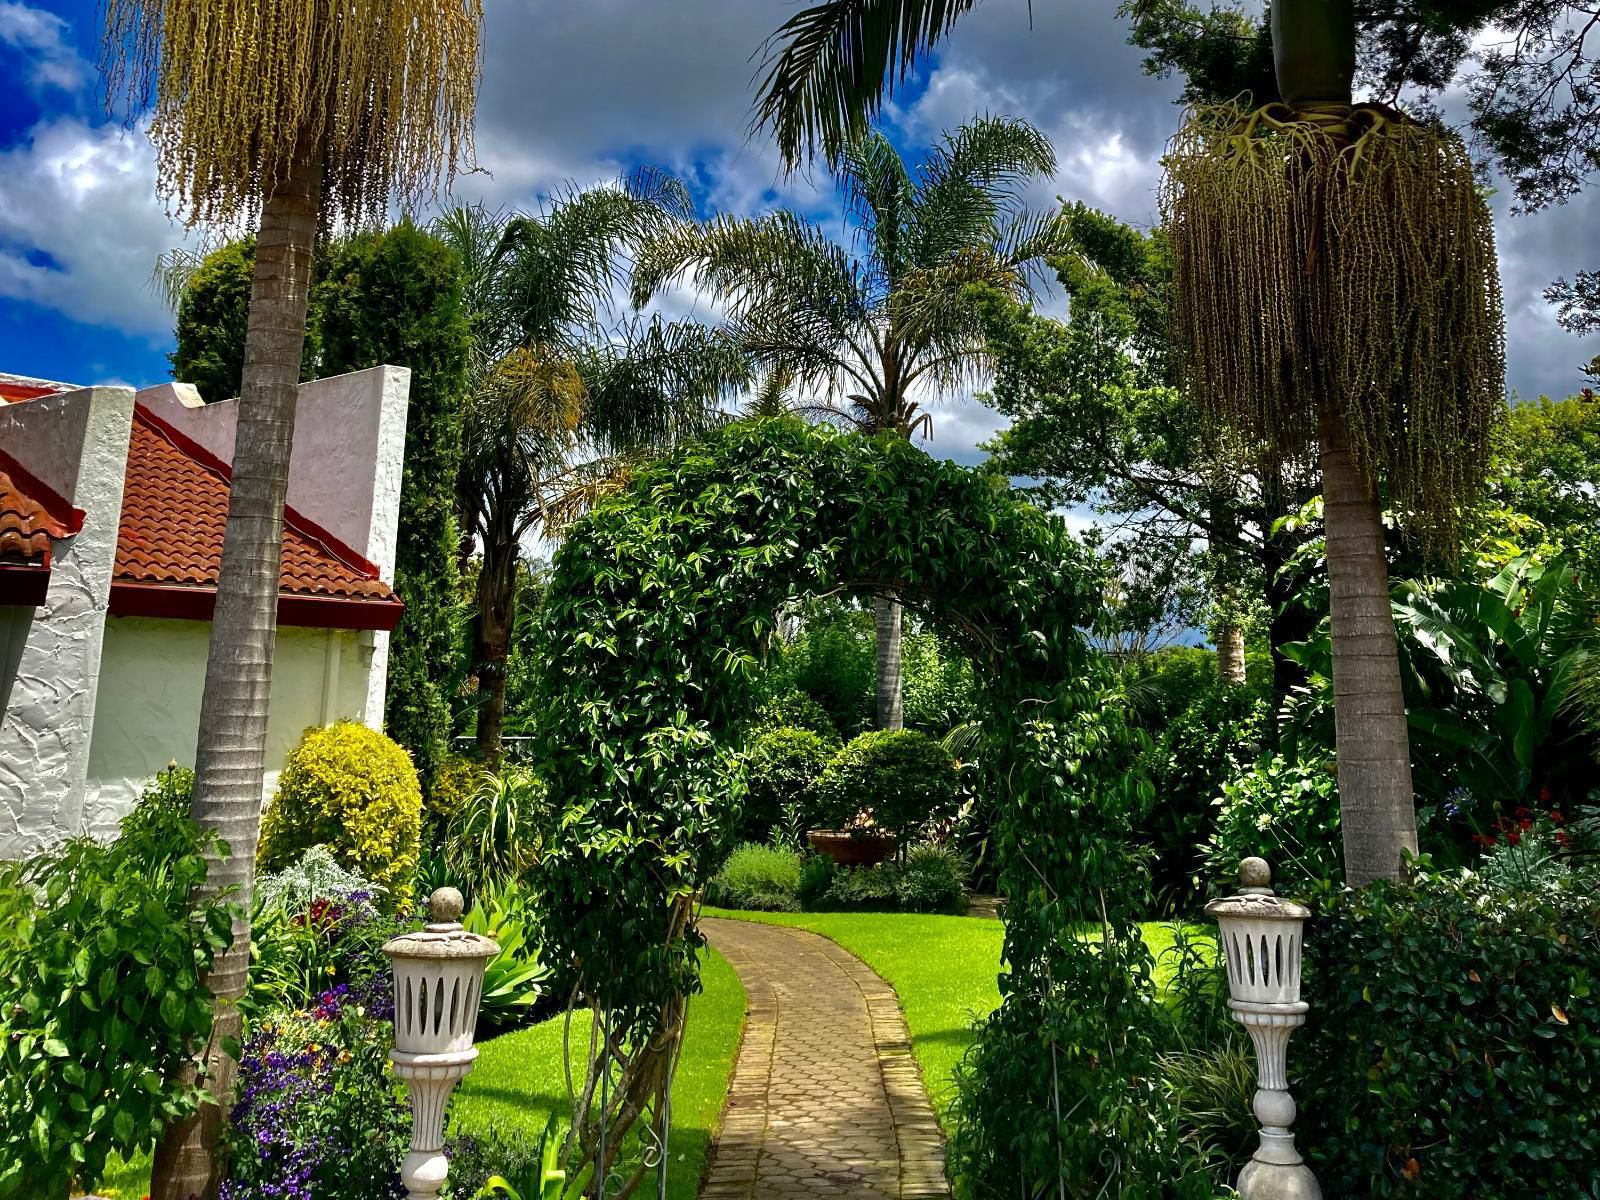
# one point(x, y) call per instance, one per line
point(873, 325)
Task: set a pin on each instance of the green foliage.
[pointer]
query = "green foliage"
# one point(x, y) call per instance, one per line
point(315, 927)
point(1455, 1039)
point(939, 689)
point(780, 768)
point(658, 605)
point(793, 709)
point(494, 837)
point(355, 791)
point(1285, 811)
point(901, 781)
point(833, 662)
point(454, 784)
point(757, 877)
point(395, 297)
point(932, 879)
point(1492, 670)
point(513, 980)
point(1202, 732)
point(102, 993)
point(507, 1166)
point(212, 311)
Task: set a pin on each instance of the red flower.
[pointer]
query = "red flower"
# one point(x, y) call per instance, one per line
point(1563, 838)
point(1557, 817)
point(1483, 839)
point(1522, 810)
point(1525, 823)
point(1544, 796)
point(1513, 838)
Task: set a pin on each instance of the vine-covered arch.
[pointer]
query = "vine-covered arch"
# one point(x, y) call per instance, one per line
point(658, 607)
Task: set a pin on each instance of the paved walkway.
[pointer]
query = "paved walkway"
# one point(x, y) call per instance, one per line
point(826, 1099)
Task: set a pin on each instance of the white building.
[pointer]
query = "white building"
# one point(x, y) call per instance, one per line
point(112, 509)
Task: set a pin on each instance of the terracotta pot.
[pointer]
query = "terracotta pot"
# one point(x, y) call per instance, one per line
point(852, 850)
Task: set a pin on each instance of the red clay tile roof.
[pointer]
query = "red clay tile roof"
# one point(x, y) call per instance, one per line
point(174, 510)
point(30, 515)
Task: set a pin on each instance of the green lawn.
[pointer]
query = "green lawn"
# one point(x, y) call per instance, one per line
point(944, 969)
point(518, 1082)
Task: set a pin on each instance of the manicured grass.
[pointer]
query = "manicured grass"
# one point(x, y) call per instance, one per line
point(944, 969)
point(519, 1080)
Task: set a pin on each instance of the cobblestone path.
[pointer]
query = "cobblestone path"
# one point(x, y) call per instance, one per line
point(826, 1099)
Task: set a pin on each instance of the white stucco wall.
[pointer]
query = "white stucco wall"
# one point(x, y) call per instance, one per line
point(345, 470)
point(75, 443)
point(151, 676)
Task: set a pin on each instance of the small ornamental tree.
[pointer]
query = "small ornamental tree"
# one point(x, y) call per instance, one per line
point(901, 781)
point(658, 606)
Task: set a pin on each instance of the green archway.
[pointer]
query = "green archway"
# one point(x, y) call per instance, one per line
point(658, 605)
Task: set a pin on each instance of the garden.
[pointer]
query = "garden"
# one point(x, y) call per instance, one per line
point(768, 758)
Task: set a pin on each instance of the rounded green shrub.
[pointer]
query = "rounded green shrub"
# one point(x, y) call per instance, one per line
point(1285, 811)
point(781, 768)
point(902, 781)
point(355, 791)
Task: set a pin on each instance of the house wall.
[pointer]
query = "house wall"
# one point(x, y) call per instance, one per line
point(345, 470)
point(151, 676)
point(76, 444)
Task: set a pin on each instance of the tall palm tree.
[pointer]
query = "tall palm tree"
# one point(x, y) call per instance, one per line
point(247, 121)
point(1335, 286)
point(561, 406)
point(875, 329)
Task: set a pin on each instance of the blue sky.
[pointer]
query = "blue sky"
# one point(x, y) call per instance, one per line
point(577, 89)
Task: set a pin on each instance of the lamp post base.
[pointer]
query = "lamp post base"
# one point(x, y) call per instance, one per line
point(1277, 1181)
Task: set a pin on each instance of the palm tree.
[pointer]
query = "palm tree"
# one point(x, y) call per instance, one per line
point(1335, 287)
point(560, 407)
point(247, 122)
point(875, 330)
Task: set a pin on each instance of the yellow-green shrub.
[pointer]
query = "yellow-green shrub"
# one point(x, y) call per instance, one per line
point(355, 791)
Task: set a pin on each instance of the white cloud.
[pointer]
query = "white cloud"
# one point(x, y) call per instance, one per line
point(80, 225)
point(43, 36)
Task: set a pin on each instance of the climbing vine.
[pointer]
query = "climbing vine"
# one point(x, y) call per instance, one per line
point(658, 607)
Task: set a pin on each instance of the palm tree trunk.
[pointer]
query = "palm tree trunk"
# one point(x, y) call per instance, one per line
point(887, 615)
point(497, 614)
point(1230, 654)
point(1376, 809)
point(231, 752)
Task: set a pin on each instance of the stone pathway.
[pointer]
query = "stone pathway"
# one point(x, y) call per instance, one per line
point(826, 1099)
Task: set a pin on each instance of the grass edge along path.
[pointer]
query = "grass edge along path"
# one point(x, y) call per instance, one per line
point(519, 1077)
point(519, 1080)
point(945, 970)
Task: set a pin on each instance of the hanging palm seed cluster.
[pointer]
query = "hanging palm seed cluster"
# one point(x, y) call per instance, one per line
point(384, 89)
point(1340, 257)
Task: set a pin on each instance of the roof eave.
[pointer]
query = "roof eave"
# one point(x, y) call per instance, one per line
point(130, 598)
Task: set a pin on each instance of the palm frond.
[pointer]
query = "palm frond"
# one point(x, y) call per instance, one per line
point(829, 68)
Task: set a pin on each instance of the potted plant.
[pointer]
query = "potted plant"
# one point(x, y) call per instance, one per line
point(881, 789)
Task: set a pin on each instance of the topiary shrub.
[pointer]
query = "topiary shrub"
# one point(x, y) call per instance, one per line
point(781, 767)
point(1285, 811)
point(763, 878)
point(1454, 1039)
point(355, 791)
point(901, 781)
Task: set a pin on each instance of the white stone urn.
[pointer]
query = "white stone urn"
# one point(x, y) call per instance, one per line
point(1262, 936)
point(438, 982)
